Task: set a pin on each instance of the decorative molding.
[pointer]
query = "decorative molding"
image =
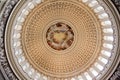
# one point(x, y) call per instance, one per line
point(5, 67)
point(116, 74)
point(2, 4)
point(117, 4)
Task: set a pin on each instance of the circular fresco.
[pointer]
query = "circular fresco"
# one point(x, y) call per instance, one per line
point(60, 36)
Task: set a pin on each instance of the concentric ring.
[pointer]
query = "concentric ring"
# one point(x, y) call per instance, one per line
point(87, 56)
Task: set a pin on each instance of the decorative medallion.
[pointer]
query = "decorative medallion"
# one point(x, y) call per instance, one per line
point(60, 36)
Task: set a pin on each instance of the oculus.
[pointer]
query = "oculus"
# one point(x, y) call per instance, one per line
point(60, 36)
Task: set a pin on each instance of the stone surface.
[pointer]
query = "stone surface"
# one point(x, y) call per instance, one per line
point(3, 19)
point(1, 76)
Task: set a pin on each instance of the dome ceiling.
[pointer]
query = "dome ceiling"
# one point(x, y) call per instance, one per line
point(60, 39)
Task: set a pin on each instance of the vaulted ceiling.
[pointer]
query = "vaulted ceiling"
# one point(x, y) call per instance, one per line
point(59, 39)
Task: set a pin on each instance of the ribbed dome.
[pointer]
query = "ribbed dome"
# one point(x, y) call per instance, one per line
point(84, 49)
point(62, 39)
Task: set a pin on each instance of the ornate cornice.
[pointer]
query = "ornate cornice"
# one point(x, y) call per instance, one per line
point(5, 66)
point(116, 74)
